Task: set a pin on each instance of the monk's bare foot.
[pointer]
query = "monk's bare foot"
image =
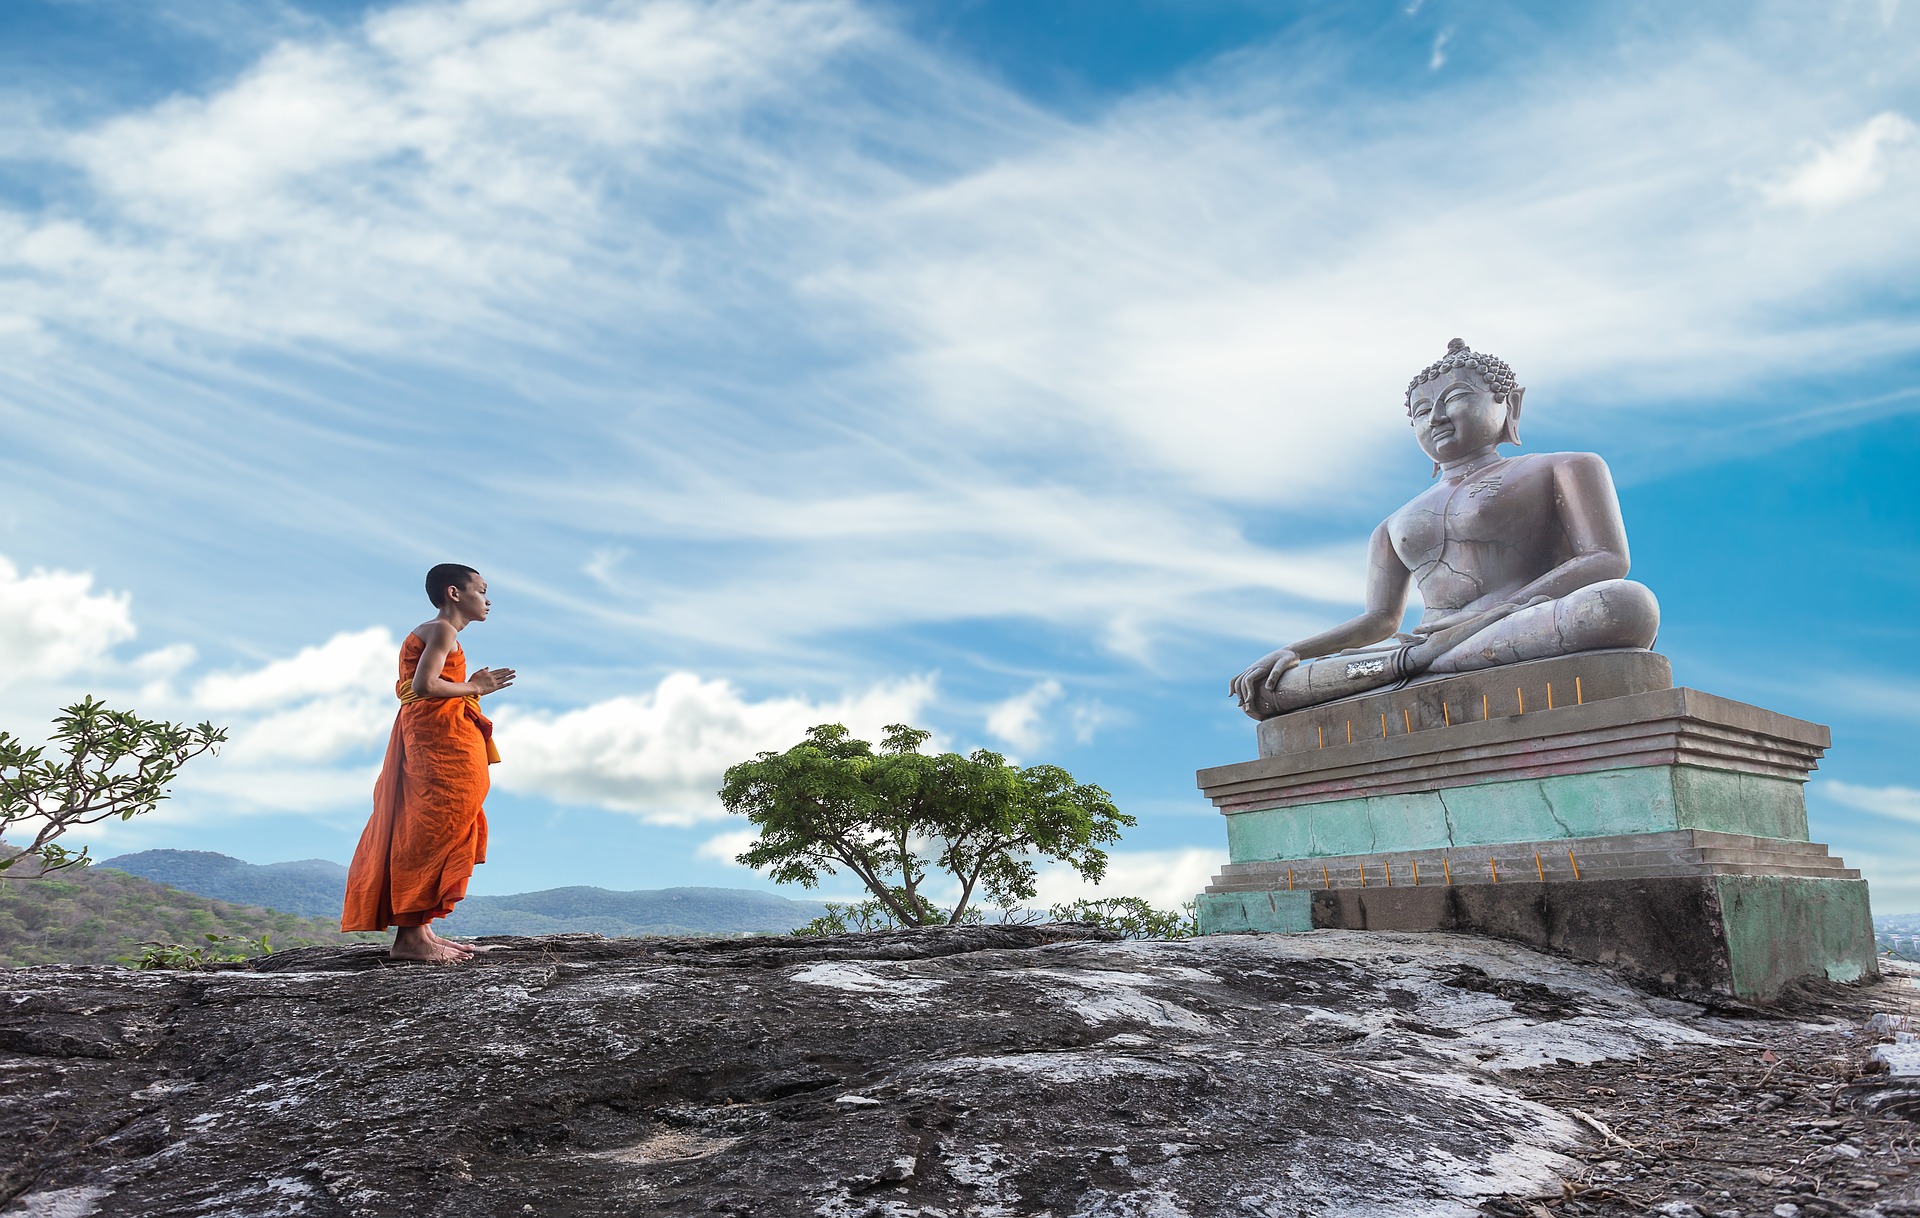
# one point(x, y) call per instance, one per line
point(428, 953)
point(417, 943)
point(465, 949)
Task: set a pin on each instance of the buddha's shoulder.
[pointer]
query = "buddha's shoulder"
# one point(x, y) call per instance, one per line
point(1558, 460)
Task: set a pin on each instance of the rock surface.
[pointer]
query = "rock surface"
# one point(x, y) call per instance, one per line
point(976, 1071)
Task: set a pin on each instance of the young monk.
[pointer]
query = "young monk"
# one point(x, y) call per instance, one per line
point(428, 829)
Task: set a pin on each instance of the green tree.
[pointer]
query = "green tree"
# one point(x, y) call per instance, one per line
point(116, 764)
point(895, 816)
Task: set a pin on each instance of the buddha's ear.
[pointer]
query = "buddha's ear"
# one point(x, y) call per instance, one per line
point(1512, 433)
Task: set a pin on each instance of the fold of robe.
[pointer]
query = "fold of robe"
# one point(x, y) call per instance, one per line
point(428, 829)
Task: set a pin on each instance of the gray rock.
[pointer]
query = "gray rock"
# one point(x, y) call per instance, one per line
point(978, 1071)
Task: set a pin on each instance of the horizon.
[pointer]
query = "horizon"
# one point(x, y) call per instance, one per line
point(1022, 373)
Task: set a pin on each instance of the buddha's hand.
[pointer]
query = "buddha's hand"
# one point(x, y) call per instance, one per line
point(491, 680)
point(1456, 628)
point(1264, 675)
point(1467, 621)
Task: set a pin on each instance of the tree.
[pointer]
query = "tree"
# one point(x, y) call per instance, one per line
point(894, 816)
point(116, 764)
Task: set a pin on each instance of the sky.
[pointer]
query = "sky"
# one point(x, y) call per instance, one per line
point(1018, 370)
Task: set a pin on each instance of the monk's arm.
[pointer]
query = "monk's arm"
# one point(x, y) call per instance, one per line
point(427, 681)
point(1590, 513)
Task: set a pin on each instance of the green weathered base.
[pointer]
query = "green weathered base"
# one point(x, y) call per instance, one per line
point(1778, 928)
point(1602, 803)
point(1749, 936)
point(1267, 912)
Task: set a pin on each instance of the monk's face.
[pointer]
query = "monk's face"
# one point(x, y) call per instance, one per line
point(1455, 415)
point(472, 598)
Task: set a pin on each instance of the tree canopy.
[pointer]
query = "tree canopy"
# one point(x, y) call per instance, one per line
point(894, 817)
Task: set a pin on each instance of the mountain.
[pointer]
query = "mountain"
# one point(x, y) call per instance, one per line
point(664, 911)
point(100, 916)
point(315, 887)
point(311, 886)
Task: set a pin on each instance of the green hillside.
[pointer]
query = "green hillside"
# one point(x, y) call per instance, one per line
point(98, 916)
point(313, 887)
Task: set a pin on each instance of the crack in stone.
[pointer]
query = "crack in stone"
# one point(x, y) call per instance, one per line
point(1446, 814)
point(1547, 798)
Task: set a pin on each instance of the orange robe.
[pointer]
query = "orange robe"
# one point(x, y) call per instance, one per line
point(428, 828)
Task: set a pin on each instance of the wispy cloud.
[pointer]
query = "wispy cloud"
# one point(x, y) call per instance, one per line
point(1018, 719)
point(774, 274)
point(1853, 166)
point(1895, 803)
point(758, 341)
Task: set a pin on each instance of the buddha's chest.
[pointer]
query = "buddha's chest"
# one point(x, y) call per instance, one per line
point(1501, 516)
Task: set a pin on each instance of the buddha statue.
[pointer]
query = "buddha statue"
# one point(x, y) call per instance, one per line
point(1517, 557)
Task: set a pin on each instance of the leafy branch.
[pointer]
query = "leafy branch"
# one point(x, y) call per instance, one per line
point(220, 949)
point(115, 764)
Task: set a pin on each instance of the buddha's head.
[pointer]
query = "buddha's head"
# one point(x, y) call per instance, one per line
point(1463, 403)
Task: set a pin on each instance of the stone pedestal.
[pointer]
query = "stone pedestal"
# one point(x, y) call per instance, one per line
point(1582, 804)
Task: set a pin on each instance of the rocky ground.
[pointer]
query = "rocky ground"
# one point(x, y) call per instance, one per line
point(989, 1071)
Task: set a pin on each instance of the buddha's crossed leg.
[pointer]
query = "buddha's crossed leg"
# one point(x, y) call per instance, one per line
point(1611, 613)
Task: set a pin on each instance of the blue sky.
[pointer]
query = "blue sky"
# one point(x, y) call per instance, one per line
point(1021, 370)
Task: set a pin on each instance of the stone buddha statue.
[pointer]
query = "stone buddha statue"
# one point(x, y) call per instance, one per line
point(1517, 557)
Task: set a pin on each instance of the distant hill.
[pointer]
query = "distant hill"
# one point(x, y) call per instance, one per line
point(315, 886)
point(663, 911)
point(99, 916)
point(311, 886)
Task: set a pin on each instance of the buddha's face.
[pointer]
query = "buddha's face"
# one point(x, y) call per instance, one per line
point(1455, 415)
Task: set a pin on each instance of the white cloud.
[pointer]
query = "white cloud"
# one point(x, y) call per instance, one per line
point(796, 334)
point(1017, 720)
point(1897, 803)
point(1053, 366)
point(362, 661)
point(1089, 717)
point(306, 732)
point(661, 754)
point(164, 662)
point(319, 730)
point(1848, 168)
point(52, 623)
point(1165, 878)
point(411, 172)
point(725, 847)
point(1200, 285)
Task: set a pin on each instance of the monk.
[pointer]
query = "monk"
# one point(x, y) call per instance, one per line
point(428, 828)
